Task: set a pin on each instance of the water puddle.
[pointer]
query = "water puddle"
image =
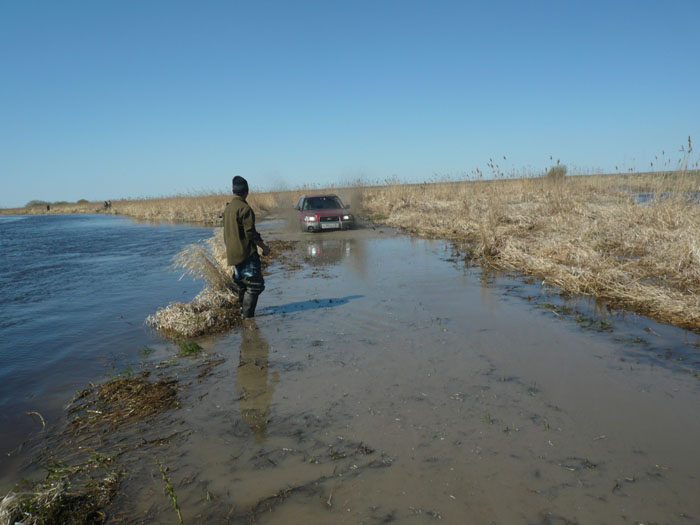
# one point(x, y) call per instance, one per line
point(383, 380)
point(650, 198)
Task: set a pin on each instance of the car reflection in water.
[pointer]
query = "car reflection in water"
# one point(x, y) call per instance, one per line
point(327, 252)
point(254, 389)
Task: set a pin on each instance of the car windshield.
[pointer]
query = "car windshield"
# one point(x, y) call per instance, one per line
point(322, 203)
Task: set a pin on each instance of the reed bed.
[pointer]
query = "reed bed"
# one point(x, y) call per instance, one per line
point(195, 208)
point(209, 208)
point(586, 235)
point(56, 208)
point(200, 208)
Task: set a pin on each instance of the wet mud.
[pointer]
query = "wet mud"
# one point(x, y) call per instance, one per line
point(386, 380)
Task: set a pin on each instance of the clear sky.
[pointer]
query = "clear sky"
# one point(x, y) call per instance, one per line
point(110, 99)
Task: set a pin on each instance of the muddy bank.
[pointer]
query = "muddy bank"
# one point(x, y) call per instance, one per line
point(385, 380)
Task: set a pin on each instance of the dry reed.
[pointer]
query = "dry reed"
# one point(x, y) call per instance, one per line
point(215, 307)
point(195, 208)
point(60, 501)
point(585, 235)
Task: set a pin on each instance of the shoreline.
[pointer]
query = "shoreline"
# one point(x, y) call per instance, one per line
point(586, 235)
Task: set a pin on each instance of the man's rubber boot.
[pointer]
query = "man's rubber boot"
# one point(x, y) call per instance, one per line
point(250, 301)
point(241, 296)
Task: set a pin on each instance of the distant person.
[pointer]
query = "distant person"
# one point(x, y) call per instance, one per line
point(48, 207)
point(242, 241)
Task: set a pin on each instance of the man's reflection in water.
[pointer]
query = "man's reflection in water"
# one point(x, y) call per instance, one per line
point(254, 393)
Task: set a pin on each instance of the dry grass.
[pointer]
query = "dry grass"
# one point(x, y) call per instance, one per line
point(55, 502)
point(180, 208)
point(58, 208)
point(209, 208)
point(79, 489)
point(194, 208)
point(202, 208)
point(585, 235)
point(214, 309)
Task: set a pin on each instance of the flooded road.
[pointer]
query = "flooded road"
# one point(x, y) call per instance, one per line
point(383, 380)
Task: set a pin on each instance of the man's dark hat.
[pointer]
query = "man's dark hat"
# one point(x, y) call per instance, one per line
point(239, 185)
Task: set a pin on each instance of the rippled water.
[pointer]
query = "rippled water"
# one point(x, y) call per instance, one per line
point(74, 291)
point(385, 381)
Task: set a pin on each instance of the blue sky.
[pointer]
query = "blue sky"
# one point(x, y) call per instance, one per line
point(103, 100)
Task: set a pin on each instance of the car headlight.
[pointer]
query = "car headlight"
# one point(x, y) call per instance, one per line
point(347, 217)
point(310, 218)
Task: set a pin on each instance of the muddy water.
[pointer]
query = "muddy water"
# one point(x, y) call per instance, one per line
point(383, 380)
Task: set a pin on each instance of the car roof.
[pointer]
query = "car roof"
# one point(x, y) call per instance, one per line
point(319, 195)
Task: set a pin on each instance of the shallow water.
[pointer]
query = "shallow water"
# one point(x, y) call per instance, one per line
point(74, 292)
point(384, 380)
point(651, 198)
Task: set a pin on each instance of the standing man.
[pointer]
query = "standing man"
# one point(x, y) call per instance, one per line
point(242, 241)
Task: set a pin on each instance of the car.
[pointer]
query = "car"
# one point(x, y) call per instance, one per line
point(323, 212)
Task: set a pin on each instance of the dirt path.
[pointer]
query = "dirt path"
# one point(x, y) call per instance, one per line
point(383, 380)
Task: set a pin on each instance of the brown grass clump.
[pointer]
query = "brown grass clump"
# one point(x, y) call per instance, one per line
point(215, 308)
point(80, 491)
point(586, 235)
point(133, 398)
point(59, 502)
point(121, 401)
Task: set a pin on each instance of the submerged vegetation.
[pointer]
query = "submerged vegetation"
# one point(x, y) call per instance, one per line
point(60, 501)
point(77, 488)
point(189, 348)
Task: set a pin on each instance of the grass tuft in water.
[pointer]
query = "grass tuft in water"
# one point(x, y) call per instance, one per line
point(76, 494)
point(215, 308)
point(189, 348)
point(171, 490)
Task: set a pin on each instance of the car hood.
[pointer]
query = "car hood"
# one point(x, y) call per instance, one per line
point(326, 213)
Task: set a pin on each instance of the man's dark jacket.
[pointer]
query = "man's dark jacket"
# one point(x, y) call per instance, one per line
point(239, 231)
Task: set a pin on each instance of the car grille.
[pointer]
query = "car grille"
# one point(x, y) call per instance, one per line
point(329, 219)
